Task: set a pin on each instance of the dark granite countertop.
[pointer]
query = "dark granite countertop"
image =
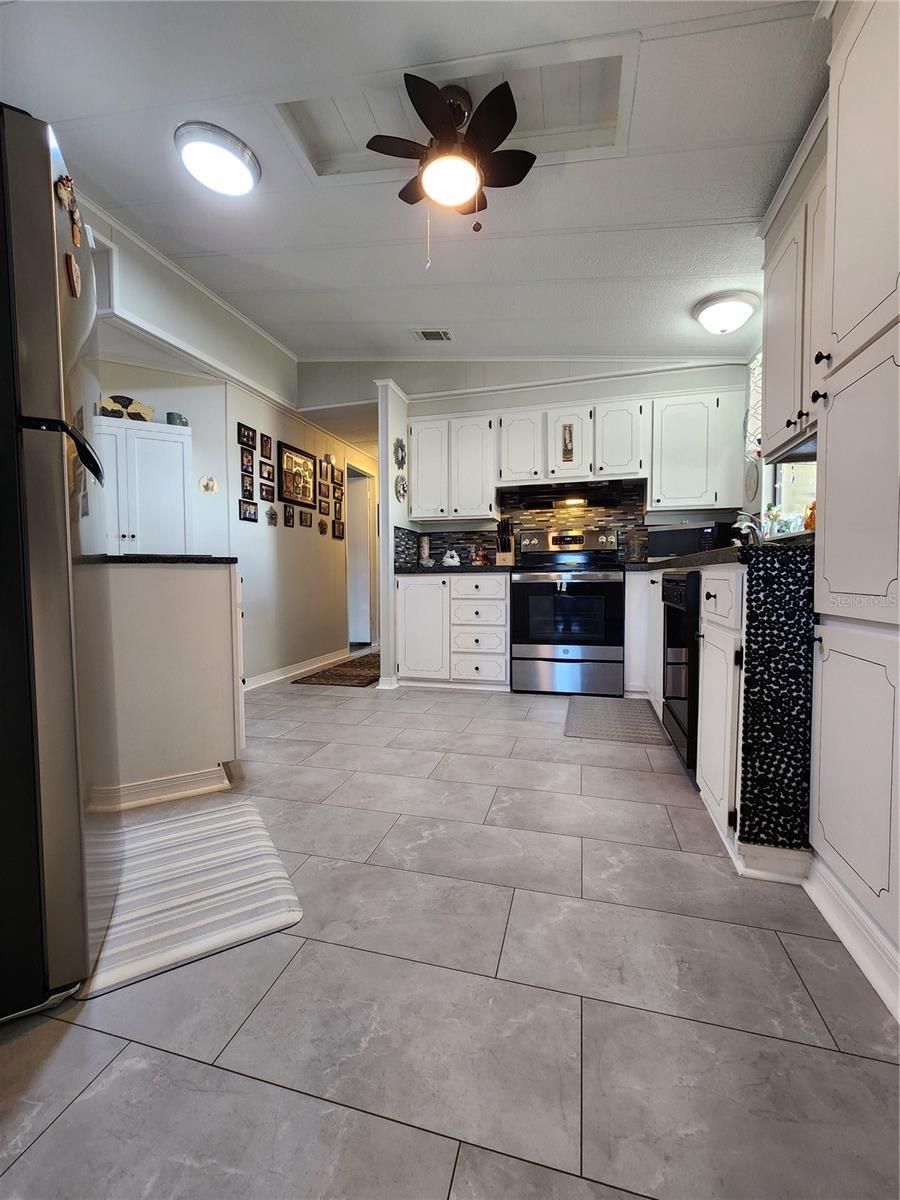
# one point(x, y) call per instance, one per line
point(156, 559)
point(465, 569)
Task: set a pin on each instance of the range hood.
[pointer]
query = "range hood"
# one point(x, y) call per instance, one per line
point(606, 494)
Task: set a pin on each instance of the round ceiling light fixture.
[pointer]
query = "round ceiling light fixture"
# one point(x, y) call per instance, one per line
point(725, 312)
point(217, 159)
point(450, 179)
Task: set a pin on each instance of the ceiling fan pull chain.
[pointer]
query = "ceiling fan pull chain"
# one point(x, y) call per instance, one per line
point(427, 234)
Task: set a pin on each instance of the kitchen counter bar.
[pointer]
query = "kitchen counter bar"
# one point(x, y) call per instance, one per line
point(156, 559)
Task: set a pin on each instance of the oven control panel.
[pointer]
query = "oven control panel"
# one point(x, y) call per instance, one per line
point(547, 541)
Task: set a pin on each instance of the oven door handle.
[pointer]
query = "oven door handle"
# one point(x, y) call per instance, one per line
point(570, 577)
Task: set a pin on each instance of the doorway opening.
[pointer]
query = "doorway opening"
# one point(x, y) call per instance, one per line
point(359, 523)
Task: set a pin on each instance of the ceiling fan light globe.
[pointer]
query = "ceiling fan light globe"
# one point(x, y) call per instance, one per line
point(450, 180)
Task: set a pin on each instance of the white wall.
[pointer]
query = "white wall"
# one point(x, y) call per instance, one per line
point(203, 403)
point(356, 512)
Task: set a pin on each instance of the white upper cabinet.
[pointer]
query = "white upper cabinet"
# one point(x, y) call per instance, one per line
point(429, 483)
point(522, 446)
point(815, 315)
point(423, 627)
point(159, 514)
point(472, 466)
point(863, 251)
point(858, 523)
point(854, 786)
point(698, 451)
point(570, 442)
point(783, 335)
point(104, 528)
point(621, 438)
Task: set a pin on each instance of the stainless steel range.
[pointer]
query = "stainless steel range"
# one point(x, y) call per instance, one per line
point(567, 622)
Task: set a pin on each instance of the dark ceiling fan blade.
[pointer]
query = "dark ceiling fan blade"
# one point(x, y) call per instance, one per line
point(396, 147)
point(412, 193)
point(433, 110)
point(492, 121)
point(505, 168)
point(478, 203)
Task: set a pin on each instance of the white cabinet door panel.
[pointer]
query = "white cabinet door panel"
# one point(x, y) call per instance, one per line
point(429, 471)
point(854, 786)
point(783, 335)
point(423, 628)
point(159, 512)
point(622, 447)
point(682, 451)
point(472, 466)
point(857, 513)
point(655, 642)
point(104, 529)
point(522, 446)
point(717, 721)
point(815, 331)
point(570, 442)
point(863, 243)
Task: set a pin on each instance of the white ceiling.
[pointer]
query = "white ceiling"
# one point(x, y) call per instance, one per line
point(598, 252)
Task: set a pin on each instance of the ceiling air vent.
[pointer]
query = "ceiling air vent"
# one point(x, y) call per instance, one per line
point(432, 335)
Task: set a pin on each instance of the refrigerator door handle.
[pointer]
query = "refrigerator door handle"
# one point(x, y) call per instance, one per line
point(87, 455)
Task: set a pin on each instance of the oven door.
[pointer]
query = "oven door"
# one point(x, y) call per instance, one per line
point(584, 612)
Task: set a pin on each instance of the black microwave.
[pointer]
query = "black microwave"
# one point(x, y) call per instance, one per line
point(671, 541)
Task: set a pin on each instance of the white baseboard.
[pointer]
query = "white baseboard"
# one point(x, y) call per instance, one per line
point(387, 683)
point(455, 684)
point(773, 863)
point(154, 791)
point(298, 669)
point(872, 950)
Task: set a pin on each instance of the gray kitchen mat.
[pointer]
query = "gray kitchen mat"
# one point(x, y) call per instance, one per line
point(609, 719)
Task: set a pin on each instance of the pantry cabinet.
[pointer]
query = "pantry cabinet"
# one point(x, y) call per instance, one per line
point(471, 466)
point(863, 244)
point(858, 514)
point(697, 451)
point(429, 474)
point(522, 446)
point(144, 506)
point(621, 438)
point(423, 627)
point(570, 442)
point(854, 784)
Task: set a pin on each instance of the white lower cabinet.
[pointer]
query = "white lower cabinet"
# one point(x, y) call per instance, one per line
point(446, 629)
point(854, 814)
point(423, 627)
point(717, 733)
point(655, 614)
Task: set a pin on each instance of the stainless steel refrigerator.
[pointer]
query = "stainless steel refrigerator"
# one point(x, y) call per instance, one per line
point(48, 381)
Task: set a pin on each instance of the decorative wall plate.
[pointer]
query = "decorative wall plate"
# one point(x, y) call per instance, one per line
point(400, 453)
point(208, 485)
point(751, 480)
point(401, 488)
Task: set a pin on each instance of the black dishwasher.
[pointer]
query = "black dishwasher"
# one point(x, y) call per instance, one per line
point(681, 660)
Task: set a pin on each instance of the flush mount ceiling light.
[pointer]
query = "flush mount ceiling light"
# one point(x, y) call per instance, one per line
point(217, 159)
point(725, 312)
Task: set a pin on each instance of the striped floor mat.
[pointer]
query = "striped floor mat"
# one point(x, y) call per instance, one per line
point(189, 878)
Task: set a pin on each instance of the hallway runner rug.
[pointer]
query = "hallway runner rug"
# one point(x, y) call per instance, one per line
point(352, 672)
point(609, 719)
point(190, 877)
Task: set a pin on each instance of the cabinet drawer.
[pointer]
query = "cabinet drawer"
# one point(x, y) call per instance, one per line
point(489, 586)
point(721, 597)
point(478, 612)
point(476, 640)
point(486, 668)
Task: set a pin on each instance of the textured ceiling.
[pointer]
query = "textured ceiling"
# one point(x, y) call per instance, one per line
point(593, 255)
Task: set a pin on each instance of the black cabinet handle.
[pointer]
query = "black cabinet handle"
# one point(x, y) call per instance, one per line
point(821, 357)
point(788, 423)
point(710, 595)
point(654, 582)
point(817, 639)
point(801, 414)
point(815, 397)
point(698, 636)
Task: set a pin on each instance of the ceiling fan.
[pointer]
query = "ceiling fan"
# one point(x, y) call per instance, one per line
point(455, 167)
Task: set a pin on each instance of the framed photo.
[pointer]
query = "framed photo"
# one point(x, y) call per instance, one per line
point(247, 462)
point(305, 518)
point(267, 471)
point(337, 475)
point(246, 436)
point(265, 446)
point(324, 490)
point(337, 492)
point(247, 511)
point(289, 515)
point(267, 491)
point(324, 508)
point(246, 487)
point(337, 530)
point(296, 476)
point(339, 510)
point(324, 470)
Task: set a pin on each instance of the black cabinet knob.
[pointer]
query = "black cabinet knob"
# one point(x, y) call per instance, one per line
point(821, 357)
point(698, 636)
point(599, 468)
point(443, 583)
point(534, 472)
point(124, 536)
point(456, 510)
point(788, 423)
point(657, 500)
point(478, 668)
point(477, 586)
point(477, 613)
point(801, 414)
point(815, 397)
point(552, 471)
point(710, 595)
point(477, 641)
point(654, 582)
point(442, 510)
point(132, 536)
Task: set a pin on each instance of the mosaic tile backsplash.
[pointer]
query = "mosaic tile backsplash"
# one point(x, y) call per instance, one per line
point(617, 507)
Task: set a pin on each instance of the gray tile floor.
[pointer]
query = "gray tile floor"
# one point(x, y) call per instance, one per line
point(525, 971)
